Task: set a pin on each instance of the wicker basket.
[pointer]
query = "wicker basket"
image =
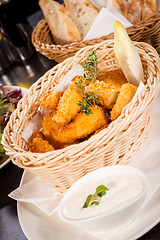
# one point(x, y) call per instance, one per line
point(146, 31)
point(113, 145)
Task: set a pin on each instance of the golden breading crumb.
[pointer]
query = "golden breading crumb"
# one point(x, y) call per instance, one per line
point(67, 107)
point(50, 130)
point(82, 125)
point(39, 144)
point(125, 96)
point(107, 93)
point(49, 100)
point(115, 78)
point(36, 135)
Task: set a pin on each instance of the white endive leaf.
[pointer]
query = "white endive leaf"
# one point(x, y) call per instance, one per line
point(127, 55)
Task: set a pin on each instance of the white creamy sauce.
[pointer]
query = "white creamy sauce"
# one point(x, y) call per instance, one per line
point(123, 188)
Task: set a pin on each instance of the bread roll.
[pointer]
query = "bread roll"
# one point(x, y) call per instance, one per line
point(83, 13)
point(135, 10)
point(149, 7)
point(62, 27)
point(131, 9)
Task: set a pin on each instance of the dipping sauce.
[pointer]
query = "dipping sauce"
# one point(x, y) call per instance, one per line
point(123, 188)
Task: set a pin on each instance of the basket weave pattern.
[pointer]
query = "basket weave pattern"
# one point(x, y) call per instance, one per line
point(145, 31)
point(113, 145)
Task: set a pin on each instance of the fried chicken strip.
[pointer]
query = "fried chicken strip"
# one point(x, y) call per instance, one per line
point(50, 130)
point(125, 96)
point(82, 125)
point(65, 102)
point(36, 135)
point(39, 144)
point(67, 107)
point(106, 92)
point(114, 77)
point(49, 100)
point(107, 87)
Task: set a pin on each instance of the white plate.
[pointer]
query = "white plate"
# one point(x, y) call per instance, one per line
point(36, 225)
point(24, 91)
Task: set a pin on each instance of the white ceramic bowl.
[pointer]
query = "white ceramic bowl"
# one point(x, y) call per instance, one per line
point(108, 220)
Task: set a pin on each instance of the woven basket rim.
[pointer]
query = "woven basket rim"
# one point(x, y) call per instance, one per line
point(111, 126)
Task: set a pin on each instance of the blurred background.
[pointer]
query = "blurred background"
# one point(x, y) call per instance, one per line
point(20, 64)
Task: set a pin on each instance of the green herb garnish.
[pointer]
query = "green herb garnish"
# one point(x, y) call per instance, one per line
point(87, 202)
point(91, 70)
point(93, 199)
point(2, 151)
point(8, 102)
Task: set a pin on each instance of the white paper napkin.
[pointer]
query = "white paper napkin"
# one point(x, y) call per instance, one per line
point(99, 3)
point(38, 192)
point(103, 24)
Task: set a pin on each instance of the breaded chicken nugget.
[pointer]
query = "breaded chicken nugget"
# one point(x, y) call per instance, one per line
point(107, 93)
point(39, 144)
point(125, 96)
point(115, 78)
point(49, 100)
point(50, 129)
point(36, 135)
point(82, 125)
point(67, 107)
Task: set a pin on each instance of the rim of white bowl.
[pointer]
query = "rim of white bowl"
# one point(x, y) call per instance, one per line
point(102, 170)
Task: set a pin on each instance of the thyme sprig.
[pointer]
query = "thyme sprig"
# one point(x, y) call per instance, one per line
point(91, 71)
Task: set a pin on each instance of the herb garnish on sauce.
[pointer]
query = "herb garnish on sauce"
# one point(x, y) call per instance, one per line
point(93, 199)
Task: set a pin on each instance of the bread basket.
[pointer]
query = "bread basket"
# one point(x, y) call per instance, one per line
point(145, 31)
point(113, 145)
